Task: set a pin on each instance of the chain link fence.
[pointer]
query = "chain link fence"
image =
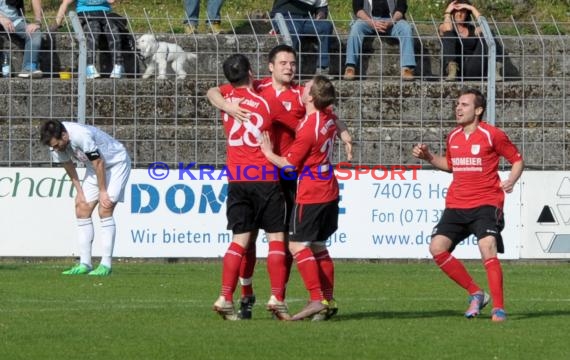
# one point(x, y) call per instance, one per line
point(170, 120)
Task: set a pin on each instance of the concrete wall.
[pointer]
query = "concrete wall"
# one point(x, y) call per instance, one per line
point(172, 121)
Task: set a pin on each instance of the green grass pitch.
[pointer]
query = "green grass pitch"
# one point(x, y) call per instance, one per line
point(159, 310)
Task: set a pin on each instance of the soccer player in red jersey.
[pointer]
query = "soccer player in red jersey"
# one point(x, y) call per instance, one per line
point(315, 214)
point(255, 200)
point(281, 85)
point(474, 202)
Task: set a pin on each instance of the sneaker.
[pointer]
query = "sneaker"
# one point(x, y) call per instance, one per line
point(331, 311)
point(225, 309)
point(499, 72)
point(498, 315)
point(101, 270)
point(407, 74)
point(349, 73)
point(190, 29)
point(245, 307)
point(216, 28)
point(31, 71)
point(312, 308)
point(476, 303)
point(91, 72)
point(117, 72)
point(452, 69)
point(278, 308)
point(323, 72)
point(79, 269)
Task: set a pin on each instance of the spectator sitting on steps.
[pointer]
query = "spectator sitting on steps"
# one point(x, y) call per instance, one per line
point(97, 18)
point(306, 17)
point(382, 17)
point(13, 22)
point(464, 49)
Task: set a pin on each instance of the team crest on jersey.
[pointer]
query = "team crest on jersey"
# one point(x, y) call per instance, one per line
point(287, 105)
point(475, 149)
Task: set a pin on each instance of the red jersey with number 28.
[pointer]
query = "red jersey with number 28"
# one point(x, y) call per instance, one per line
point(283, 136)
point(245, 161)
point(474, 161)
point(311, 154)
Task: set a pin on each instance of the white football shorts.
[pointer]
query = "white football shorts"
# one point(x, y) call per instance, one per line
point(117, 177)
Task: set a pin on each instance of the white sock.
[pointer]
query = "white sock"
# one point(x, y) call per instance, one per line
point(85, 230)
point(107, 240)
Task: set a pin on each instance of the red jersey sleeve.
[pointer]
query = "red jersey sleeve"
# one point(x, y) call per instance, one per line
point(505, 148)
point(225, 89)
point(302, 145)
point(448, 154)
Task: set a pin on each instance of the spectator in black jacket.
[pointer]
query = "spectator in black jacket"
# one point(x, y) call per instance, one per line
point(306, 17)
point(464, 49)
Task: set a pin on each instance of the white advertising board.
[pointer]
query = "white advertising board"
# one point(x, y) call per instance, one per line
point(546, 214)
point(382, 216)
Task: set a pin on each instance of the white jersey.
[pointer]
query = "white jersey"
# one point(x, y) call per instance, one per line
point(85, 139)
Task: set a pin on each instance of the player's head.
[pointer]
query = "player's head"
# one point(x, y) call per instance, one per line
point(283, 64)
point(320, 91)
point(54, 135)
point(237, 70)
point(470, 106)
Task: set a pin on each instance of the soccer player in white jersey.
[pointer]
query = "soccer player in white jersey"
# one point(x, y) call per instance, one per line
point(107, 171)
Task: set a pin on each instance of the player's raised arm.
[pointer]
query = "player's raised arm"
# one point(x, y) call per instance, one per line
point(267, 149)
point(231, 108)
point(421, 151)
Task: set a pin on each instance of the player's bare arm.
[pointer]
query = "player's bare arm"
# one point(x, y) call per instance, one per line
point(421, 151)
point(516, 172)
point(345, 137)
point(69, 167)
point(267, 150)
point(233, 109)
point(104, 200)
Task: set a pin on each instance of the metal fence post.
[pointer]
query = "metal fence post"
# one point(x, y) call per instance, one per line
point(491, 72)
point(82, 65)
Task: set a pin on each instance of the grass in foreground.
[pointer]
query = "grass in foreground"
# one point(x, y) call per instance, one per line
point(387, 311)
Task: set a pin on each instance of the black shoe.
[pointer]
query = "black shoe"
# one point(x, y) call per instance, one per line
point(245, 307)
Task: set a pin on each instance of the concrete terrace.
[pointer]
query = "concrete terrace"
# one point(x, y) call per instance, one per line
point(172, 120)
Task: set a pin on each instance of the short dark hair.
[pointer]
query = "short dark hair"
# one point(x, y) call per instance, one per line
point(323, 92)
point(51, 129)
point(280, 48)
point(237, 69)
point(480, 100)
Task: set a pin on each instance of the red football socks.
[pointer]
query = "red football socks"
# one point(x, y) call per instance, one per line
point(246, 270)
point(326, 273)
point(495, 279)
point(230, 272)
point(277, 268)
point(307, 266)
point(455, 270)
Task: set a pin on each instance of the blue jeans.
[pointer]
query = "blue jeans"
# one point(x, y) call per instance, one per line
point(401, 30)
point(32, 47)
point(192, 8)
point(299, 26)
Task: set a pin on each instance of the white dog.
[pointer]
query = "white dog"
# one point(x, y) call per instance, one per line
point(157, 55)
